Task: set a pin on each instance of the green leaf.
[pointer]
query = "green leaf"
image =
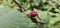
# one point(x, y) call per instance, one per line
point(12, 18)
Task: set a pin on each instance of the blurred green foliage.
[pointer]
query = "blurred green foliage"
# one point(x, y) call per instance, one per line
point(10, 17)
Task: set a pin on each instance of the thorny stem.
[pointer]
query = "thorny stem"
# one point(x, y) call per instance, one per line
point(23, 9)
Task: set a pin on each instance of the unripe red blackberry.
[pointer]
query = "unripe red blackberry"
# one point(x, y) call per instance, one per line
point(33, 13)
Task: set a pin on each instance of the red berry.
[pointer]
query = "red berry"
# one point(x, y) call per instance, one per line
point(33, 13)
